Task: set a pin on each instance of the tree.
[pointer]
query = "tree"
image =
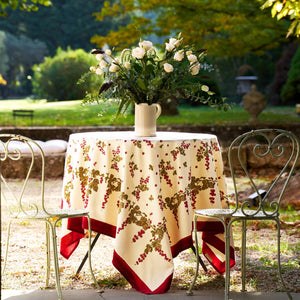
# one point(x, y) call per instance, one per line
point(65, 23)
point(291, 90)
point(281, 72)
point(3, 54)
point(22, 5)
point(283, 9)
point(225, 27)
point(18, 55)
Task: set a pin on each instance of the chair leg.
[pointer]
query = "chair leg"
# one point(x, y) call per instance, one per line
point(89, 254)
point(227, 228)
point(190, 291)
point(47, 254)
point(55, 258)
point(278, 259)
point(243, 258)
point(6, 248)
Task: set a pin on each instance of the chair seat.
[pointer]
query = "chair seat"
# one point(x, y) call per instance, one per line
point(52, 213)
point(228, 213)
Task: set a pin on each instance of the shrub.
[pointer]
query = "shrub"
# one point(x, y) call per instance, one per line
point(57, 77)
point(290, 93)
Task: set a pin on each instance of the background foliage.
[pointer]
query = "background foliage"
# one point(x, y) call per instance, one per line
point(29, 36)
point(18, 54)
point(223, 27)
point(65, 23)
point(283, 9)
point(24, 5)
point(234, 32)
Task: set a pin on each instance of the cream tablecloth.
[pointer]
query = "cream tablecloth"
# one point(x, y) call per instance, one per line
point(142, 192)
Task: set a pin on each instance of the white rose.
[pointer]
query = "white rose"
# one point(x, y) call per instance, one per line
point(204, 88)
point(99, 71)
point(192, 58)
point(168, 68)
point(195, 68)
point(99, 56)
point(179, 55)
point(189, 52)
point(147, 45)
point(113, 68)
point(127, 64)
point(116, 61)
point(169, 47)
point(93, 69)
point(138, 52)
point(108, 52)
point(103, 64)
point(174, 42)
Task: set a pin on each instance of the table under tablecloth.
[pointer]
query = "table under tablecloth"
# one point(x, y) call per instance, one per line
point(142, 192)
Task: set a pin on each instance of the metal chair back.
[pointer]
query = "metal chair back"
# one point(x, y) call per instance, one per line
point(262, 149)
point(21, 152)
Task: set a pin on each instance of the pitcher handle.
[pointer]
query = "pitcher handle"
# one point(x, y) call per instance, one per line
point(158, 110)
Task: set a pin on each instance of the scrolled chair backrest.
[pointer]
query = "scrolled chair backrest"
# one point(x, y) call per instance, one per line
point(259, 150)
point(22, 154)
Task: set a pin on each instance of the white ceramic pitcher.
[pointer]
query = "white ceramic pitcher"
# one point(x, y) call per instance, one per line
point(145, 119)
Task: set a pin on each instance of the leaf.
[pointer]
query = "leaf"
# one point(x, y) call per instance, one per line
point(137, 68)
point(97, 51)
point(141, 84)
point(149, 69)
point(105, 86)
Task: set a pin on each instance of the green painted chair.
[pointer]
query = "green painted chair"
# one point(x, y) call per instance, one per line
point(257, 147)
point(13, 150)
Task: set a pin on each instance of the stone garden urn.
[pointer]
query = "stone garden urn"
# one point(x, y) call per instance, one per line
point(254, 103)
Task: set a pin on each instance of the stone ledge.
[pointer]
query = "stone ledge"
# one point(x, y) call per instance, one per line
point(225, 134)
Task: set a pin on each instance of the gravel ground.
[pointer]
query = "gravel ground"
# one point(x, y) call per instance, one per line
point(26, 261)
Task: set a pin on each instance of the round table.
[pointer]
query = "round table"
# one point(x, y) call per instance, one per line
point(142, 192)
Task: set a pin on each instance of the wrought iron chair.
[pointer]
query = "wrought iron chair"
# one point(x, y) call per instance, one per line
point(278, 146)
point(13, 149)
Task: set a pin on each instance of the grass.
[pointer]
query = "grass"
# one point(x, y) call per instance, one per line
point(72, 113)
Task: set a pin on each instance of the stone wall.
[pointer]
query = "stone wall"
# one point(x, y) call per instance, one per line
point(55, 162)
point(54, 167)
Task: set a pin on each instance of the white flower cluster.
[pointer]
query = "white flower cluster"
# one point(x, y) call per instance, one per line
point(179, 56)
point(139, 53)
point(144, 46)
point(102, 65)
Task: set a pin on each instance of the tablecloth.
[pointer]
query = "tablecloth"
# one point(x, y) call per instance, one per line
point(142, 192)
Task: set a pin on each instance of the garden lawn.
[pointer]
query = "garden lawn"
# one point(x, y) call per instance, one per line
point(73, 113)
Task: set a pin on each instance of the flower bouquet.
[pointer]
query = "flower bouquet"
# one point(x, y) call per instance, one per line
point(142, 75)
